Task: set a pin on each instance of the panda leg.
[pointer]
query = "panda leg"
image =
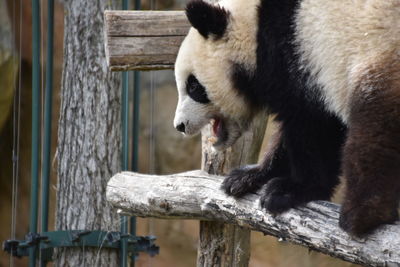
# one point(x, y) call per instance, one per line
point(371, 159)
point(313, 145)
point(249, 179)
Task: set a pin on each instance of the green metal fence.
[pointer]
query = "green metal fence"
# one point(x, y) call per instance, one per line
point(42, 241)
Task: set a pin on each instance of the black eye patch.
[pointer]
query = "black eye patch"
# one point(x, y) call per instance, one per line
point(196, 91)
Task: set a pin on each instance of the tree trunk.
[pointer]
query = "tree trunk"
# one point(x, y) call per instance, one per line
point(89, 135)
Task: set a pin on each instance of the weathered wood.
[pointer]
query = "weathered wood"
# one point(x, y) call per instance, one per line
point(143, 40)
point(220, 244)
point(145, 53)
point(196, 195)
point(146, 23)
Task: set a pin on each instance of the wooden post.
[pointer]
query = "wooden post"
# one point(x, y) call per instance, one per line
point(220, 244)
point(149, 40)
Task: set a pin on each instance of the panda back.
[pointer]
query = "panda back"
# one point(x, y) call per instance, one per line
point(339, 41)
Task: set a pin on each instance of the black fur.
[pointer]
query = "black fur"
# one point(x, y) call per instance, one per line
point(308, 162)
point(196, 90)
point(372, 151)
point(207, 18)
point(251, 178)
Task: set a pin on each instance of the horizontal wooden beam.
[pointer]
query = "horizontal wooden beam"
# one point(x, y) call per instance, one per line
point(143, 40)
point(197, 195)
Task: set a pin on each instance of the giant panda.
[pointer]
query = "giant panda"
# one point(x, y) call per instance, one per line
point(329, 71)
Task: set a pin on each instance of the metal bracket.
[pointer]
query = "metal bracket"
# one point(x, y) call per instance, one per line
point(47, 241)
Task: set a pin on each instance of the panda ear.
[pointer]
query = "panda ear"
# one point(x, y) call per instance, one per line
point(207, 18)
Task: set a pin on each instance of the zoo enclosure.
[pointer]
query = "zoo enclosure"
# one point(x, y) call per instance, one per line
point(41, 242)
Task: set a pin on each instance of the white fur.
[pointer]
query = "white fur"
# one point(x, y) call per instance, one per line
point(210, 60)
point(188, 111)
point(339, 39)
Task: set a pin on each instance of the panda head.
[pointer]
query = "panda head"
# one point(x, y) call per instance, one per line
point(222, 40)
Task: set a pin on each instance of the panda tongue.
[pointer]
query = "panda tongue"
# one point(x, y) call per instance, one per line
point(216, 126)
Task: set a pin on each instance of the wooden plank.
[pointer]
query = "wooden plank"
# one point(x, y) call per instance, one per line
point(126, 53)
point(143, 40)
point(197, 195)
point(146, 23)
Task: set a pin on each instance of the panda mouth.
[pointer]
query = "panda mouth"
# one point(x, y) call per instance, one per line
point(219, 131)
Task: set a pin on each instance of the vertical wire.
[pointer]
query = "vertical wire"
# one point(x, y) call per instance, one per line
point(125, 121)
point(41, 120)
point(16, 122)
point(125, 151)
point(152, 137)
point(41, 123)
point(35, 124)
point(151, 150)
point(15, 138)
point(136, 105)
point(19, 90)
point(47, 115)
point(135, 135)
point(151, 141)
point(14, 145)
point(19, 109)
point(48, 95)
point(19, 105)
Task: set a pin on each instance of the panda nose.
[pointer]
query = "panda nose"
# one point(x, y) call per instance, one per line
point(181, 127)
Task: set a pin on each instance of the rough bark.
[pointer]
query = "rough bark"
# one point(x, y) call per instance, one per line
point(196, 195)
point(89, 136)
point(223, 244)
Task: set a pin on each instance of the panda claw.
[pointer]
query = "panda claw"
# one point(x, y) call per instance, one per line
point(276, 197)
point(242, 181)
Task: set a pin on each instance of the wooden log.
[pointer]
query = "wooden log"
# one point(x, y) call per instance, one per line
point(143, 40)
point(197, 195)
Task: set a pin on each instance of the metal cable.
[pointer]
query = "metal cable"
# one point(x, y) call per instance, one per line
point(13, 156)
point(14, 133)
point(152, 137)
point(16, 122)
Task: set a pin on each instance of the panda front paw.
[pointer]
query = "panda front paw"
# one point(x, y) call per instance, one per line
point(361, 220)
point(276, 197)
point(243, 180)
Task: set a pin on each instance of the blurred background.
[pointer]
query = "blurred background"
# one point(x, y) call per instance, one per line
point(162, 149)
